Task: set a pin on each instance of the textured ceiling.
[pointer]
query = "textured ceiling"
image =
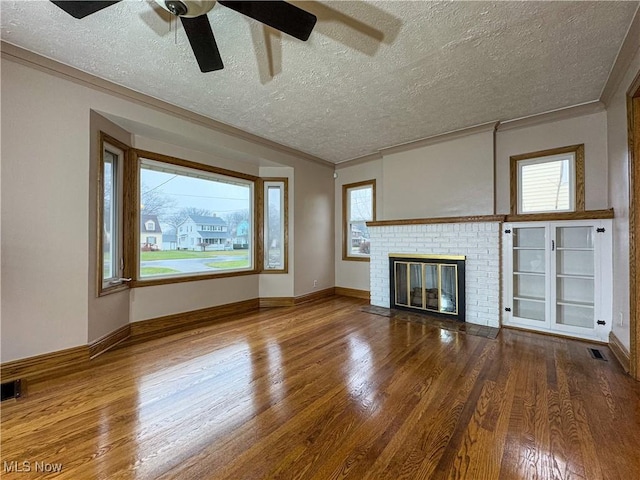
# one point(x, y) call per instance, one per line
point(372, 75)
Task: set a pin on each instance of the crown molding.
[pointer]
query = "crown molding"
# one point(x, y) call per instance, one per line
point(359, 160)
point(30, 59)
point(442, 137)
point(629, 47)
point(423, 142)
point(553, 116)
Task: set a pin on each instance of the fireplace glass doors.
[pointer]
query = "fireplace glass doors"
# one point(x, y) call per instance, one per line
point(427, 283)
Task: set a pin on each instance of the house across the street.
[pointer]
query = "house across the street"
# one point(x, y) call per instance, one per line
point(201, 233)
point(150, 233)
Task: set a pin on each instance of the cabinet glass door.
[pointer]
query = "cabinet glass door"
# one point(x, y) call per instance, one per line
point(575, 273)
point(529, 274)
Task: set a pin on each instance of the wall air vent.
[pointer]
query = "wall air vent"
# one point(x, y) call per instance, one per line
point(12, 389)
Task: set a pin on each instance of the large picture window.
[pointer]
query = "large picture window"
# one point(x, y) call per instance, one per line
point(358, 207)
point(193, 220)
point(548, 181)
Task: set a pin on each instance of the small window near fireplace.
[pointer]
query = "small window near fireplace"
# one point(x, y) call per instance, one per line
point(358, 208)
point(549, 181)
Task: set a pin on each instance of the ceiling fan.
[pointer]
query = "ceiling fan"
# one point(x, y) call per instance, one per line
point(277, 14)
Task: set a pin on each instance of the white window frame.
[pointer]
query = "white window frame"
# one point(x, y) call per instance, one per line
point(571, 157)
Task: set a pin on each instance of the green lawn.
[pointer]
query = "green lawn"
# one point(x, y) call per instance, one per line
point(230, 264)
point(144, 271)
point(181, 254)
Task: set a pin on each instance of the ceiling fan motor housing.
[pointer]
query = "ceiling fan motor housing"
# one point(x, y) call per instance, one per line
point(187, 8)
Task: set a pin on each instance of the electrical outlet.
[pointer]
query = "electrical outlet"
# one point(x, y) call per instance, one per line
point(315, 283)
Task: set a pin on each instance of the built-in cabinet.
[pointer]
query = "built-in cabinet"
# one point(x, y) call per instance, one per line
point(558, 277)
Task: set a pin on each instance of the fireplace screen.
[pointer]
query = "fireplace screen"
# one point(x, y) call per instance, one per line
point(432, 284)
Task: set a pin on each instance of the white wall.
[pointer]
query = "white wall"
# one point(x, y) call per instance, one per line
point(45, 195)
point(588, 129)
point(449, 179)
point(45, 148)
point(618, 154)
point(314, 234)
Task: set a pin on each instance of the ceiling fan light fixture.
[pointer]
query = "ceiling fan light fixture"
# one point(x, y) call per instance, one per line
point(176, 7)
point(187, 8)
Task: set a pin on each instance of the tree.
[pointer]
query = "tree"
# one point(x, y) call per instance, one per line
point(234, 219)
point(275, 227)
point(154, 201)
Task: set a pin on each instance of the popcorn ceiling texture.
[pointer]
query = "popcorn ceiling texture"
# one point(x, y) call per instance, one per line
point(441, 66)
point(479, 242)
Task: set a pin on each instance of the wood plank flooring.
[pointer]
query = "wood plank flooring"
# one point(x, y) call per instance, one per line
point(327, 391)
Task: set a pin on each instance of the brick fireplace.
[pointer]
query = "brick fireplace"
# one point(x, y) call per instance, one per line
point(475, 238)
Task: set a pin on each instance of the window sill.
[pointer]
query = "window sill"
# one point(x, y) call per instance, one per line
point(150, 282)
point(104, 291)
point(355, 259)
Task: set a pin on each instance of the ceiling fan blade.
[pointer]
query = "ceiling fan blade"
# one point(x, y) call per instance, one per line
point(203, 43)
point(277, 14)
point(80, 9)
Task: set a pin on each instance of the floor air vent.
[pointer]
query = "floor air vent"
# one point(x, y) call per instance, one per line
point(11, 390)
point(597, 354)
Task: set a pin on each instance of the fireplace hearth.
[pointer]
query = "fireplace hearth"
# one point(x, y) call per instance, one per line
point(429, 284)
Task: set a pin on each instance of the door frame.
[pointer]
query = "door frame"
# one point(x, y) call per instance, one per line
point(633, 129)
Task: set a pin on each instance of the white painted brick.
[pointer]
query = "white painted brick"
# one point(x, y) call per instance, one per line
point(479, 242)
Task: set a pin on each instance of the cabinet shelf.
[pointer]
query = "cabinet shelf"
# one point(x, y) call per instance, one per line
point(535, 274)
point(530, 299)
point(529, 248)
point(577, 277)
point(575, 249)
point(575, 304)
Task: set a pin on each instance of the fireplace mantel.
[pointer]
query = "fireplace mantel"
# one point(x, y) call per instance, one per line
point(431, 221)
point(585, 215)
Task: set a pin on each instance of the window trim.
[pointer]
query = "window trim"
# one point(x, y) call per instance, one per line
point(578, 169)
point(345, 218)
point(285, 219)
point(133, 214)
point(122, 152)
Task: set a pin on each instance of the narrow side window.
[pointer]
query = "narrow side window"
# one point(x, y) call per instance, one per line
point(275, 225)
point(110, 238)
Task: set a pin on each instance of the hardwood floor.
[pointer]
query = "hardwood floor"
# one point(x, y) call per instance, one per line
point(325, 390)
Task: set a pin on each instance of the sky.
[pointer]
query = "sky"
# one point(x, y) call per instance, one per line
point(216, 196)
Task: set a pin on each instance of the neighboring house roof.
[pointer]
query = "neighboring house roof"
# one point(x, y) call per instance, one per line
point(213, 234)
point(205, 220)
point(143, 224)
